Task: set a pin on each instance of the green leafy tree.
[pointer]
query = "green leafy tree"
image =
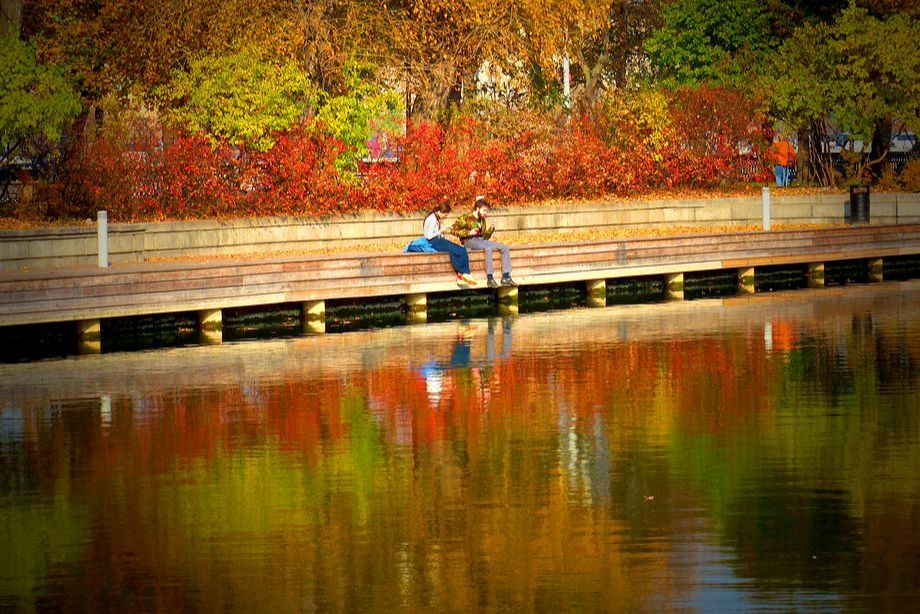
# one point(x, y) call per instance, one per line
point(37, 102)
point(709, 40)
point(860, 73)
point(241, 98)
point(363, 112)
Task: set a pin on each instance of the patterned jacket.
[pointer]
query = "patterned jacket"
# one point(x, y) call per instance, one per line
point(466, 225)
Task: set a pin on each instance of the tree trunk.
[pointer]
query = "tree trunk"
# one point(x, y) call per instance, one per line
point(454, 95)
point(815, 165)
point(10, 18)
point(592, 74)
point(881, 145)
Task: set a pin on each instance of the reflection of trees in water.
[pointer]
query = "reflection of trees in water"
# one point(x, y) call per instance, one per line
point(813, 532)
point(869, 356)
point(362, 482)
point(896, 365)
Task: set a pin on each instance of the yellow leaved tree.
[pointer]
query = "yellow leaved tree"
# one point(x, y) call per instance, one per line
point(602, 38)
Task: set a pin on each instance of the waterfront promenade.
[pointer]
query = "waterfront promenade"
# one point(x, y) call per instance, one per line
point(86, 296)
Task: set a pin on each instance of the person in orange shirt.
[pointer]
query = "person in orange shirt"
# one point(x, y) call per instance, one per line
point(782, 153)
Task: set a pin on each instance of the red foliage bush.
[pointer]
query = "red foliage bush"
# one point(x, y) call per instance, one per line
point(114, 177)
point(711, 123)
point(298, 176)
point(185, 179)
point(435, 164)
point(516, 157)
point(190, 178)
point(516, 169)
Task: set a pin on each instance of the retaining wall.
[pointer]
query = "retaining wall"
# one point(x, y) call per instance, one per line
point(131, 243)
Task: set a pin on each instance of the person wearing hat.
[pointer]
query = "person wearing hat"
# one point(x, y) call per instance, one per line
point(475, 233)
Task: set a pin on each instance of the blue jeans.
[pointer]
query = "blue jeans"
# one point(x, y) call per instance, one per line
point(459, 259)
point(782, 175)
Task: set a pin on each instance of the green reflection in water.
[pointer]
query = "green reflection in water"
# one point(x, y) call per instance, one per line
point(37, 540)
point(669, 456)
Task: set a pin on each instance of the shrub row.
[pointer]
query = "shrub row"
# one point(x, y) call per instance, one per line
point(622, 146)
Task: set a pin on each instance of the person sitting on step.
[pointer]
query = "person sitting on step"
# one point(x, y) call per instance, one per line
point(459, 258)
point(475, 233)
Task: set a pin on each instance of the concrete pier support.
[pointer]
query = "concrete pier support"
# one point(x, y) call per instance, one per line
point(746, 280)
point(875, 270)
point(417, 305)
point(508, 296)
point(508, 300)
point(89, 330)
point(597, 292)
point(674, 286)
point(89, 337)
point(211, 326)
point(816, 275)
point(314, 317)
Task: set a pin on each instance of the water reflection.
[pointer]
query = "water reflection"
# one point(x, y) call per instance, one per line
point(437, 372)
point(757, 452)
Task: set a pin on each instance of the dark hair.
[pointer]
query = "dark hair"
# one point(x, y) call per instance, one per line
point(443, 207)
point(480, 202)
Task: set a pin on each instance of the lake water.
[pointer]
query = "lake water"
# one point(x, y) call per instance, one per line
point(758, 452)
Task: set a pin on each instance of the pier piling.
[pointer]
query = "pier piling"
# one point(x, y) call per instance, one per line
point(675, 286)
point(876, 270)
point(314, 316)
point(417, 305)
point(210, 326)
point(89, 336)
point(816, 275)
point(746, 280)
point(597, 292)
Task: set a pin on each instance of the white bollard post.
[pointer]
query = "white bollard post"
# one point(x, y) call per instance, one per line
point(102, 238)
point(766, 207)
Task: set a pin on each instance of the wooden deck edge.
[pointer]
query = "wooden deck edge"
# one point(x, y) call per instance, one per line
point(154, 303)
point(822, 257)
point(319, 259)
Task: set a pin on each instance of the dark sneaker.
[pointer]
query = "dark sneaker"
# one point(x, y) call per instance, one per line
point(508, 282)
point(492, 283)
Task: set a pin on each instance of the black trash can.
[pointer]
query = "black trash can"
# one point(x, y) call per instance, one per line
point(859, 204)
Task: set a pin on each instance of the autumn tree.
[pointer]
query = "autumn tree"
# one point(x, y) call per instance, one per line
point(37, 103)
point(710, 40)
point(326, 36)
point(241, 98)
point(124, 45)
point(860, 73)
point(603, 40)
point(889, 8)
point(434, 48)
point(363, 112)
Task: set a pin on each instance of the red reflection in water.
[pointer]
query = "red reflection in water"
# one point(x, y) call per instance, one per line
point(540, 468)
